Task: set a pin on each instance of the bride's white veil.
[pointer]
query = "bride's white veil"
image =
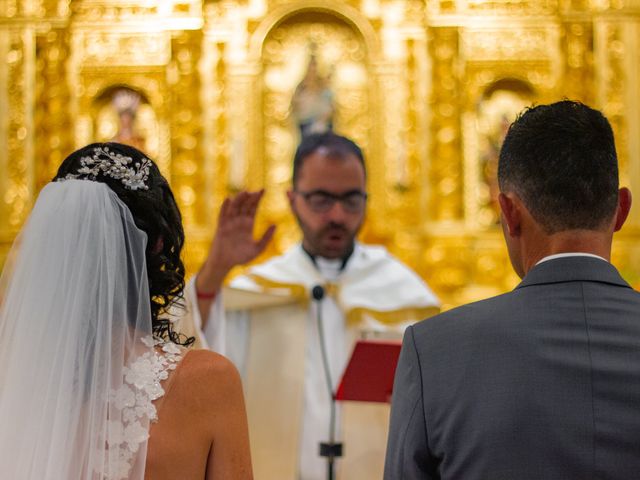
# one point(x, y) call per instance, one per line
point(74, 314)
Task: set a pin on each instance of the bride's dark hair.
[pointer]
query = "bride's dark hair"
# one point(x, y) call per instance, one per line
point(155, 212)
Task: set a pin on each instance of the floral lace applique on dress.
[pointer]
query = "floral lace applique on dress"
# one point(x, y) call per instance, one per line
point(134, 401)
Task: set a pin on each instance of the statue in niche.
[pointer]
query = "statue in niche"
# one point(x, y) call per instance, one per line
point(496, 112)
point(126, 102)
point(312, 104)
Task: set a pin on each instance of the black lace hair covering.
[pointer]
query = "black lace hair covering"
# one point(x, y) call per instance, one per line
point(155, 212)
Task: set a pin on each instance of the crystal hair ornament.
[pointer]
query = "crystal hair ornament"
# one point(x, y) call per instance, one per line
point(115, 165)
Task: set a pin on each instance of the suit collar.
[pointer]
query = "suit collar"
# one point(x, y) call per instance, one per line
point(573, 269)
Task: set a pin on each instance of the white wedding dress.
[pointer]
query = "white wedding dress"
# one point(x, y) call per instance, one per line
point(79, 367)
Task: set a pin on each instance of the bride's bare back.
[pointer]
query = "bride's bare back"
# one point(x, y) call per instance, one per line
point(201, 432)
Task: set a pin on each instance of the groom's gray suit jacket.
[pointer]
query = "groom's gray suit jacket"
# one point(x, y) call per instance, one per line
point(541, 383)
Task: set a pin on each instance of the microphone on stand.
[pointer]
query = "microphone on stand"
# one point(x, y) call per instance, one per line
point(330, 449)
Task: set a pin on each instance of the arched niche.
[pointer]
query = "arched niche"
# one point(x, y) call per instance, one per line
point(123, 113)
point(338, 10)
point(342, 56)
point(496, 108)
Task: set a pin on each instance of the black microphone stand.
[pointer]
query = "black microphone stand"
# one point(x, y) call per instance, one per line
point(331, 449)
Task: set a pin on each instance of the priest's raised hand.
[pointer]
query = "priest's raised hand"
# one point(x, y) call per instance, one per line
point(233, 244)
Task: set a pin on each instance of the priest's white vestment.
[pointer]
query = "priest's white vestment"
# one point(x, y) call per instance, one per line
point(267, 323)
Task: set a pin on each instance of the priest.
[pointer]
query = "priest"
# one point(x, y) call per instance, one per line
point(290, 323)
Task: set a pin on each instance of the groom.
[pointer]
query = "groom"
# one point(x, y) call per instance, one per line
point(542, 382)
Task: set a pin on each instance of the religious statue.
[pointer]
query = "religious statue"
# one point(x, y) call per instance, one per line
point(312, 105)
point(496, 112)
point(126, 103)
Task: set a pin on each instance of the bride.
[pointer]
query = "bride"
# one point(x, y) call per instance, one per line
point(94, 382)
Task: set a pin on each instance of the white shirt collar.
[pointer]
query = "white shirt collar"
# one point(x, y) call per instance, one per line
point(569, 254)
point(329, 268)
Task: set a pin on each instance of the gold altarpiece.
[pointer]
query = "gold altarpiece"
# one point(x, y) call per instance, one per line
point(427, 88)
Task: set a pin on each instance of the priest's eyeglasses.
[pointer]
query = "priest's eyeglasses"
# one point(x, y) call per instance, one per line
point(321, 201)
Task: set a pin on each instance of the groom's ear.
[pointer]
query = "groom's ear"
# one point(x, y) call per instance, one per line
point(622, 211)
point(511, 217)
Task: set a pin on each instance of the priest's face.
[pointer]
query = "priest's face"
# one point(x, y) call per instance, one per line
point(329, 200)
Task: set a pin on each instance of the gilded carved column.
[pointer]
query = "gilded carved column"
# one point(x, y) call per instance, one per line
point(577, 48)
point(394, 175)
point(419, 141)
point(216, 143)
point(243, 127)
point(416, 115)
point(232, 80)
point(611, 50)
point(617, 37)
point(221, 123)
point(186, 128)
point(447, 255)
point(617, 40)
point(18, 125)
point(5, 40)
point(446, 199)
point(52, 120)
point(392, 73)
point(406, 134)
point(214, 115)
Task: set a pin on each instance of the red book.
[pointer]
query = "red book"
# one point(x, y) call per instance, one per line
point(370, 372)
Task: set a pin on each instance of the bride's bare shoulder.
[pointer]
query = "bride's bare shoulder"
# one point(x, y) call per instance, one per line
point(201, 416)
point(207, 364)
point(205, 408)
point(210, 374)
